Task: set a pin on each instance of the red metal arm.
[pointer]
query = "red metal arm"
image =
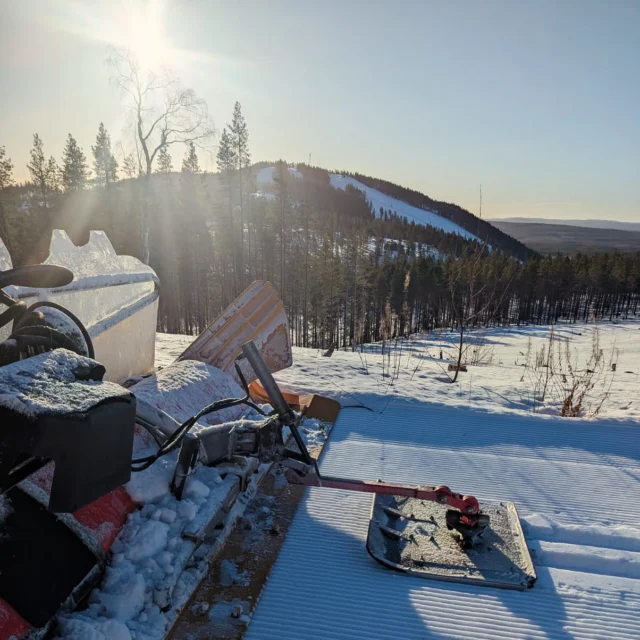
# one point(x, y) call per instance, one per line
point(468, 505)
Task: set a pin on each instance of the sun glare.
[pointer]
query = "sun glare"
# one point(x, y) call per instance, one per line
point(140, 26)
point(146, 37)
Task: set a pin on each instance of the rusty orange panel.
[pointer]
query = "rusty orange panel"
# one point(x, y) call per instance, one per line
point(256, 314)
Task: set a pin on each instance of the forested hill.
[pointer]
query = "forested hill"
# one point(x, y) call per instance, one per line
point(482, 229)
point(388, 201)
point(378, 211)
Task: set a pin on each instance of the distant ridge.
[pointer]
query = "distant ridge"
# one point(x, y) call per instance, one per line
point(565, 238)
point(590, 224)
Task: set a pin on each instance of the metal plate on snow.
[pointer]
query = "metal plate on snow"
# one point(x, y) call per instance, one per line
point(411, 535)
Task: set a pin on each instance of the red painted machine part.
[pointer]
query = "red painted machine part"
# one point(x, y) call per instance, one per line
point(103, 519)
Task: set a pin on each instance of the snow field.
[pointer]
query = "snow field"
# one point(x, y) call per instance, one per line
point(265, 175)
point(411, 368)
point(574, 482)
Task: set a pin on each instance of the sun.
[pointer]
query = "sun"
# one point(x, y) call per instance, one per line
point(146, 37)
point(140, 27)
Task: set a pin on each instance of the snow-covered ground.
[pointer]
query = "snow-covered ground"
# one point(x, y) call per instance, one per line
point(505, 380)
point(390, 249)
point(378, 199)
point(574, 481)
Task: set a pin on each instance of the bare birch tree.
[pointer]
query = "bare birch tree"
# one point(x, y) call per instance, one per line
point(164, 113)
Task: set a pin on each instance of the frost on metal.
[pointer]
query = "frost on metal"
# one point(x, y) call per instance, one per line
point(5, 265)
point(115, 297)
point(5, 258)
point(42, 385)
point(411, 535)
point(172, 395)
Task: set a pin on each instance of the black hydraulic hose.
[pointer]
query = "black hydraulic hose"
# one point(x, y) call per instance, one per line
point(41, 336)
point(85, 334)
point(38, 335)
point(15, 311)
point(140, 464)
point(182, 430)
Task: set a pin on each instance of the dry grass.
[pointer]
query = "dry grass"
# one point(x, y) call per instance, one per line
point(559, 379)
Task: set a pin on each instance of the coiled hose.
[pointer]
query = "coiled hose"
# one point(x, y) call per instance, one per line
point(32, 334)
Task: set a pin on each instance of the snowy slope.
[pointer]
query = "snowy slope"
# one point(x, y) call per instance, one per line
point(265, 175)
point(574, 481)
point(378, 199)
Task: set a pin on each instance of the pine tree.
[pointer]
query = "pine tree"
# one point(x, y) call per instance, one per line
point(6, 179)
point(190, 162)
point(226, 157)
point(75, 172)
point(54, 176)
point(239, 135)
point(129, 166)
point(38, 167)
point(105, 165)
point(240, 138)
point(6, 167)
point(164, 161)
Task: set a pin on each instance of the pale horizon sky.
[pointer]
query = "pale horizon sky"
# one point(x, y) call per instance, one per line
point(537, 101)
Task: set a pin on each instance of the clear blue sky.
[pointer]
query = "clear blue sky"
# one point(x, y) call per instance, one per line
point(539, 101)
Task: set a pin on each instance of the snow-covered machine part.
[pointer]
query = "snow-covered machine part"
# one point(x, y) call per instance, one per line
point(54, 406)
point(413, 536)
point(469, 524)
point(115, 297)
point(256, 315)
point(5, 265)
point(170, 396)
point(66, 440)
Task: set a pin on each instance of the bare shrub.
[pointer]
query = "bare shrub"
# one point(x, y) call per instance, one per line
point(480, 351)
point(561, 381)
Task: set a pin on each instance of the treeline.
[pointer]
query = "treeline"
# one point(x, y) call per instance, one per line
point(345, 275)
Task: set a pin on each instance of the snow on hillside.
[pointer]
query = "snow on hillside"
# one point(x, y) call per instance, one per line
point(378, 199)
point(390, 248)
point(265, 175)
